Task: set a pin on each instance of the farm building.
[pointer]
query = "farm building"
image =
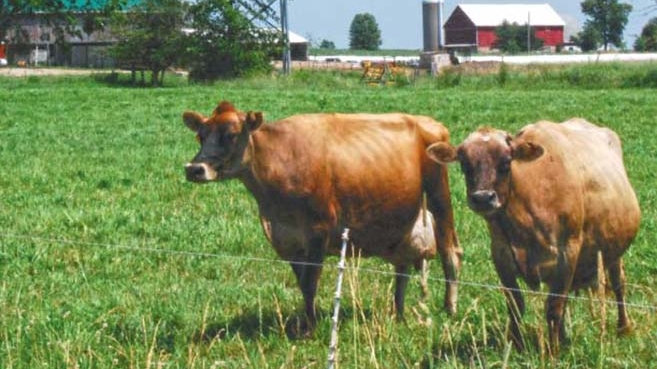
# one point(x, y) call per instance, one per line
point(81, 48)
point(472, 26)
point(33, 40)
point(299, 46)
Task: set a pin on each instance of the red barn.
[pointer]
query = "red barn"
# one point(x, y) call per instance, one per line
point(473, 25)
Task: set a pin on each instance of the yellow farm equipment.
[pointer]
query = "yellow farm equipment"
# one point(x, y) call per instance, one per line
point(378, 73)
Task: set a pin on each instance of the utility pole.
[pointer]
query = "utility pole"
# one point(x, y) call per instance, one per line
point(263, 11)
point(286, 38)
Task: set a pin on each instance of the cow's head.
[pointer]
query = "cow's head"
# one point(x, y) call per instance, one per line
point(487, 159)
point(223, 137)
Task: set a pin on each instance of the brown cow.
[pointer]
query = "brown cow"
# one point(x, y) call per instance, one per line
point(553, 197)
point(314, 175)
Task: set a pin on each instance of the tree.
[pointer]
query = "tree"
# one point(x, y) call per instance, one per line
point(588, 38)
point(150, 36)
point(648, 39)
point(512, 38)
point(326, 44)
point(364, 33)
point(226, 44)
point(608, 18)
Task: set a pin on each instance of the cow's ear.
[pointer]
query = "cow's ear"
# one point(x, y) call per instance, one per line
point(253, 120)
point(442, 153)
point(193, 120)
point(527, 151)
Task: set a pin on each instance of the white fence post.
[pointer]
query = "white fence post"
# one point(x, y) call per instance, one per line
point(333, 346)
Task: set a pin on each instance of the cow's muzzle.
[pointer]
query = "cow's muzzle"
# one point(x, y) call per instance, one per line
point(200, 172)
point(484, 201)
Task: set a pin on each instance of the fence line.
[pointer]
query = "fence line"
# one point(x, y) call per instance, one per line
point(281, 261)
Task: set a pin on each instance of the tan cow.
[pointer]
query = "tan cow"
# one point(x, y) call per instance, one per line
point(314, 175)
point(553, 197)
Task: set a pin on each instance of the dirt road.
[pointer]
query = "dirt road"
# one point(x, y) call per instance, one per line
point(30, 71)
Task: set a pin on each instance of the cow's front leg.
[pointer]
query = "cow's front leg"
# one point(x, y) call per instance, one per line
point(506, 270)
point(307, 273)
point(401, 281)
point(555, 305)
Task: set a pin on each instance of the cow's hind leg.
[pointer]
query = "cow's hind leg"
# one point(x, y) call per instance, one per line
point(401, 281)
point(451, 254)
point(617, 279)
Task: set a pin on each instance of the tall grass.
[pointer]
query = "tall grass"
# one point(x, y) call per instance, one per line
point(109, 258)
point(585, 76)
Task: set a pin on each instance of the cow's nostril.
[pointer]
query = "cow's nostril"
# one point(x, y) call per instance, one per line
point(483, 197)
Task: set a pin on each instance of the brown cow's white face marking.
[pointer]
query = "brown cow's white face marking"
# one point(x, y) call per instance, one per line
point(224, 137)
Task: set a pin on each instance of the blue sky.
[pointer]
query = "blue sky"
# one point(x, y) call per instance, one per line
point(400, 21)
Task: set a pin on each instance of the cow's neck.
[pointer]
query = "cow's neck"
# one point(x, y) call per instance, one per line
point(504, 224)
point(512, 220)
point(249, 175)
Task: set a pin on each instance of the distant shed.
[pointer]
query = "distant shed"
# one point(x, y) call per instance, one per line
point(473, 26)
point(298, 46)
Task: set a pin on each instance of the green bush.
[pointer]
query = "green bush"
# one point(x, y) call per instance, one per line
point(226, 44)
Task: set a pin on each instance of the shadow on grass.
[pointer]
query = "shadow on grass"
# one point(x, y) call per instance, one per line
point(254, 324)
point(125, 79)
point(472, 352)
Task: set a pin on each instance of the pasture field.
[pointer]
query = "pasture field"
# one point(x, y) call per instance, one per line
point(110, 259)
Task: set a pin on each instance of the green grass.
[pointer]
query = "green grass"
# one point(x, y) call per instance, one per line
point(109, 258)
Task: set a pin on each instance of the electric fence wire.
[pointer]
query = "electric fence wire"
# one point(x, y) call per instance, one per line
point(270, 261)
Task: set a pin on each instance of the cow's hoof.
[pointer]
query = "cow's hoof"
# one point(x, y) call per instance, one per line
point(299, 329)
point(450, 309)
point(625, 330)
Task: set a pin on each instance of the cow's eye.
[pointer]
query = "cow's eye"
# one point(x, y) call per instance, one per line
point(466, 168)
point(227, 138)
point(504, 166)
